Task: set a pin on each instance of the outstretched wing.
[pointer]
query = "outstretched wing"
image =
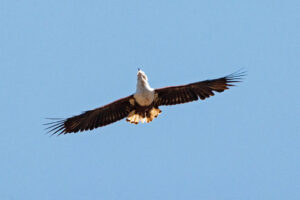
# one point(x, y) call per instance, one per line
point(192, 92)
point(91, 119)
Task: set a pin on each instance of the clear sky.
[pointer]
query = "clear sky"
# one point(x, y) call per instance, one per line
point(59, 58)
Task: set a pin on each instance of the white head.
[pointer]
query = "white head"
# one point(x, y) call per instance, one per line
point(142, 81)
point(141, 76)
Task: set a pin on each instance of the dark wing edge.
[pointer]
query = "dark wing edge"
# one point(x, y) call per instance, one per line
point(91, 119)
point(192, 92)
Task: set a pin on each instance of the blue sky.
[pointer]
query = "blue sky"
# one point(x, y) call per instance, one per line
point(59, 58)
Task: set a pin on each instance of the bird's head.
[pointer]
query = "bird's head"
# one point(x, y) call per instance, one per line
point(141, 75)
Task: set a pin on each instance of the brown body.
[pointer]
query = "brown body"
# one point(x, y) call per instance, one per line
point(143, 113)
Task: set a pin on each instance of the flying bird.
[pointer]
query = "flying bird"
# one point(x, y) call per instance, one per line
point(143, 105)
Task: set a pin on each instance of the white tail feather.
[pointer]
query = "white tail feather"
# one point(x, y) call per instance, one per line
point(135, 118)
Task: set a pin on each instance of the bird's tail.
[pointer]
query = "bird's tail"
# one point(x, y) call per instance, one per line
point(135, 117)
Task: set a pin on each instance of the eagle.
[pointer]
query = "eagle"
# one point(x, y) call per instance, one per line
point(143, 105)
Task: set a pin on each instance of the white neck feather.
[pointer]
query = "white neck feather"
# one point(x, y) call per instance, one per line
point(143, 86)
point(144, 94)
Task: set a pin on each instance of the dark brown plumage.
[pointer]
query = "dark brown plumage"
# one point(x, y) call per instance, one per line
point(191, 92)
point(128, 106)
point(92, 119)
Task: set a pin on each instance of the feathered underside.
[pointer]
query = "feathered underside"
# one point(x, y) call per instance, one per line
point(92, 119)
point(193, 91)
point(127, 107)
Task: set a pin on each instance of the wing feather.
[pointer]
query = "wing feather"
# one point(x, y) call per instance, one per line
point(192, 92)
point(92, 119)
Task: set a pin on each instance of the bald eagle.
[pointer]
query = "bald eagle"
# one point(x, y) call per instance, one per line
point(143, 105)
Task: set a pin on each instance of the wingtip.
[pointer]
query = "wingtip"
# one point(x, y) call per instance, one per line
point(56, 127)
point(237, 76)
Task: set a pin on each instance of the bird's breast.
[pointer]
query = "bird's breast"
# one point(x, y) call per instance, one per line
point(144, 98)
